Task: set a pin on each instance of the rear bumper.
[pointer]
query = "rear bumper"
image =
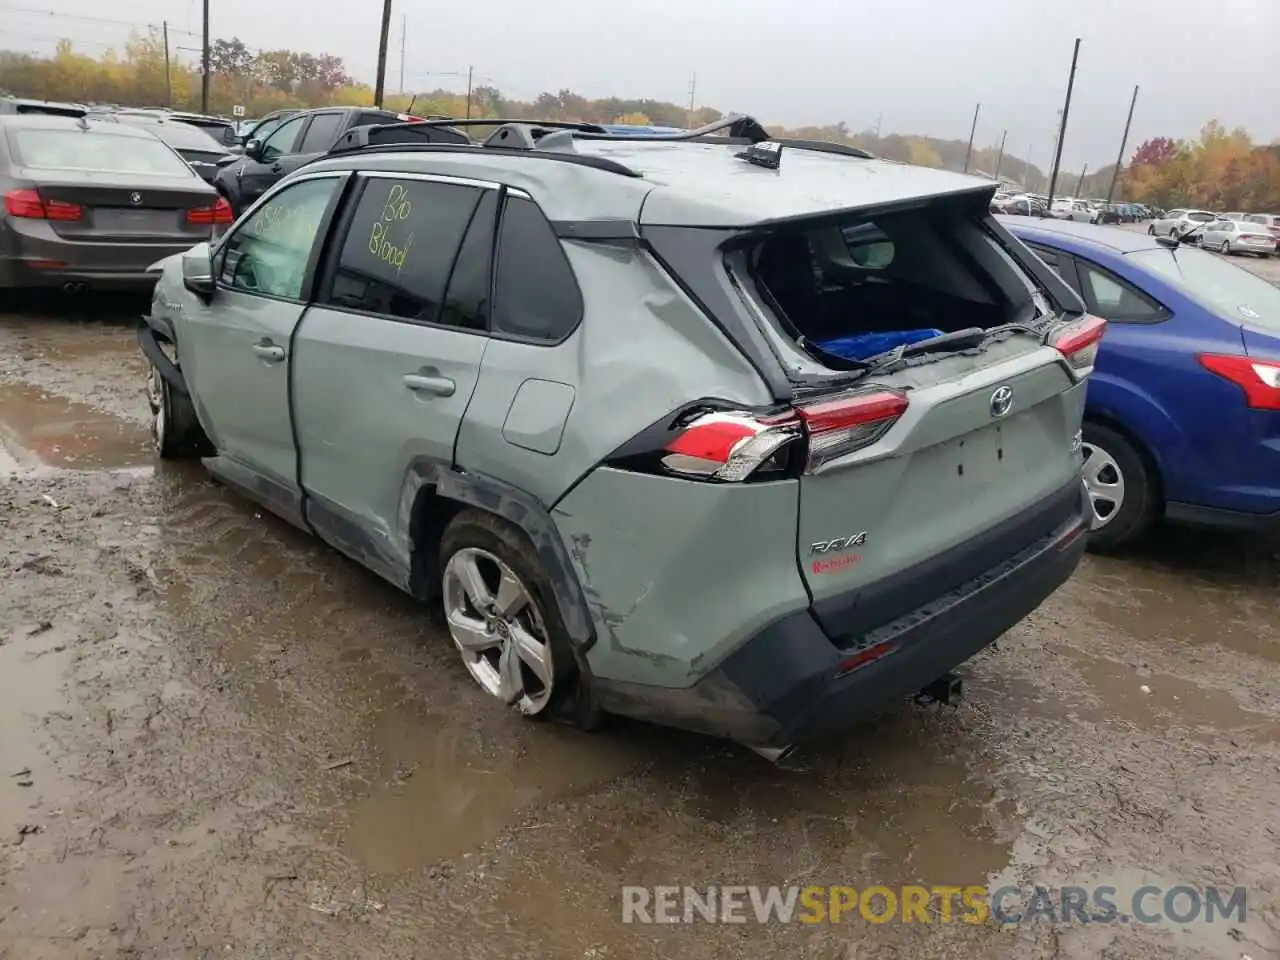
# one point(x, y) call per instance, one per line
point(34, 255)
point(791, 682)
point(46, 275)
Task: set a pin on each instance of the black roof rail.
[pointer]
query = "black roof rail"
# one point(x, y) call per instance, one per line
point(379, 135)
point(825, 146)
point(494, 122)
point(737, 127)
point(578, 159)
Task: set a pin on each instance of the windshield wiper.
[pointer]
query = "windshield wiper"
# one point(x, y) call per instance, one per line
point(957, 340)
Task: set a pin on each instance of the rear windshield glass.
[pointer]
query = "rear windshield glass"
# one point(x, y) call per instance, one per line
point(857, 288)
point(1235, 293)
point(1199, 217)
point(180, 136)
point(99, 152)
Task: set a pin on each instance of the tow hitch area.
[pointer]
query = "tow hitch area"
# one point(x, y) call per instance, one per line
point(948, 688)
point(774, 754)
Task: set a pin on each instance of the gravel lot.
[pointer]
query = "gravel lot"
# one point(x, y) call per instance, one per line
point(219, 739)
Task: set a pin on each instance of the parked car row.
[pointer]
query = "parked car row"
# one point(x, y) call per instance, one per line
point(1255, 234)
point(1070, 208)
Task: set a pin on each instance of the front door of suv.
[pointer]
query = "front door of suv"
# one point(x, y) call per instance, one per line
point(235, 351)
point(386, 361)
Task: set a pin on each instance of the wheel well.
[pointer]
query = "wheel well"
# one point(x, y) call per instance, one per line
point(430, 515)
point(1148, 458)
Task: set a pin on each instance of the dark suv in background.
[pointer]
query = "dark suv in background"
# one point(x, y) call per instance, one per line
point(298, 140)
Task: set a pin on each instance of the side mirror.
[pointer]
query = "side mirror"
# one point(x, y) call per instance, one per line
point(253, 149)
point(197, 271)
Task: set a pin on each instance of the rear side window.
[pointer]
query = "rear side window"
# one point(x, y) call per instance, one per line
point(401, 247)
point(322, 133)
point(1114, 299)
point(536, 294)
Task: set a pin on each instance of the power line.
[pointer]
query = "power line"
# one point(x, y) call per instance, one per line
point(84, 18)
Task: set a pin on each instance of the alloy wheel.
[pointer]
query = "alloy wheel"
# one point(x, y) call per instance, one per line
point(498, 629)
point(159, 416)
point(1104, 483)
point(1225, 248)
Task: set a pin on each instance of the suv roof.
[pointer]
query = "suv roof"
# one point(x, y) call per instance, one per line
point(690, 179)
point(22, 105)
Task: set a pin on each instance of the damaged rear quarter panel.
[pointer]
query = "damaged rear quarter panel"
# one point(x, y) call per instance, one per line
point(678, 573)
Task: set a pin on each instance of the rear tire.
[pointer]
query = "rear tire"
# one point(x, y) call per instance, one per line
point(1225, 249)
point(539, 683)
point(175, 430)
point(1122, 488)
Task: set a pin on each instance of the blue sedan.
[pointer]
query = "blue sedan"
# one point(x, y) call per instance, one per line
point(1183, 410)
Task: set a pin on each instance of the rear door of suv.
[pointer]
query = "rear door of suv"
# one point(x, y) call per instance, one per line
point(385, 363)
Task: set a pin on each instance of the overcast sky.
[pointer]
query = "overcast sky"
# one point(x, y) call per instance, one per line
point(921, 64)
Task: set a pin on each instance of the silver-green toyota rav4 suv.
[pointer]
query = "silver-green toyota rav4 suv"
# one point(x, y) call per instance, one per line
point(741, 435)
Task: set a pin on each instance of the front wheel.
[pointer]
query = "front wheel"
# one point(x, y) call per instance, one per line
point(1225, 249)
point(175, 431)
point(1152, 230)
point(1121, 488)
point(502, 616)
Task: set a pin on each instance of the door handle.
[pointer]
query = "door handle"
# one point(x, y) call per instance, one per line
point(421, 383)
point(269, 352)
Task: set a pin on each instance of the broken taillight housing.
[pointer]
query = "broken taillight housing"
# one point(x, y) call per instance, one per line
point(734, 446)
point(1078, 343)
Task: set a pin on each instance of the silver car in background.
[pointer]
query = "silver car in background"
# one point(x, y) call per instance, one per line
point(94, 205)
point(1177, 223)
point(1229, 236)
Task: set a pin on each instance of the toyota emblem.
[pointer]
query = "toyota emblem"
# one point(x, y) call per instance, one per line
point(135, 198)
point(1001, 401)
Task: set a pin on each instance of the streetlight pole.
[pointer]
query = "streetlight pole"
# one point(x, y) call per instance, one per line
point(1124, 142)
point(1000, 155)
point(204, 63)
point(1062, 129)
point(380, 88)
point(972, 130)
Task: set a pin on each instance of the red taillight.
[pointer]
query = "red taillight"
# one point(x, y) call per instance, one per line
point(1259, 379)
point(733, 446)
point(29, 205)
point(220, 212)
point(844, 424)
point(729, 446)
point(1078, 342)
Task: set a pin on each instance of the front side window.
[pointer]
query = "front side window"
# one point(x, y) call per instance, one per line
point(1113, 298)
point(536, 295)
point(281, 141)
point(268, 252)
point(401, 247)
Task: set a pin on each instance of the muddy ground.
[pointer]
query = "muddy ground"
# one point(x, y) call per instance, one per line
point(219, 739)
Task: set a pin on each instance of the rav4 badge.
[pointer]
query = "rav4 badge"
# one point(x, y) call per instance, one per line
point(839, 544)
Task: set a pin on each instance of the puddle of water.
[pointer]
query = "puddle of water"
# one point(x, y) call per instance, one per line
point(457, 799)
point(43, 429)
point(1168, 699)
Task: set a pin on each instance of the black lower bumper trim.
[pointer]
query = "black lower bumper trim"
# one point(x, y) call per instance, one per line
point(786, 685)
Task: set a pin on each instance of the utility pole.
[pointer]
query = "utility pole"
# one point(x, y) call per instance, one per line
point(381, 86)
point(1062, 127)
point(972, 130)
point(1000, 155)
point(1026, 166)
point(470, 73)
point(204, 63)
point(1124, 142)
point(404, 31)
point(879, 120)
point(693, 93)
point(168, 72)
point(1080, 182)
